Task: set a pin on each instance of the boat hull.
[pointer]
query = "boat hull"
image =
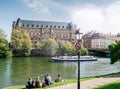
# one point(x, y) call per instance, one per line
point(72, 60)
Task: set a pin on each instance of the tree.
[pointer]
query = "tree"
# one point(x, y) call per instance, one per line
point(61, 48)
point(38, 50)
point(114, 51)
point(84, 51)
point(66, 48)
point(4, 48)
point(21, 43)
point(69, 48)
point(2, 34)
point(38, 45)
point(49, 47)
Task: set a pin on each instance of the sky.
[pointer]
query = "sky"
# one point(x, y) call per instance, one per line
point(100, 15)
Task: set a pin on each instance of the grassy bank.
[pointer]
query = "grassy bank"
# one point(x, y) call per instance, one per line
point(114, 85)
point(53, 85)
point(108, 86)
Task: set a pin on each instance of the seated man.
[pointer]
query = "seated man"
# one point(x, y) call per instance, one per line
point(59, 79)
point(30, 83)
point(46, 81)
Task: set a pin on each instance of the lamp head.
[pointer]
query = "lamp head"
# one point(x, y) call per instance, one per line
point(78, 34)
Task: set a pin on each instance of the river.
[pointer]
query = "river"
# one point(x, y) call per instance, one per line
point(15, 71)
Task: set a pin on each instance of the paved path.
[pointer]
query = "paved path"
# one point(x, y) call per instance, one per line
point(88, 84)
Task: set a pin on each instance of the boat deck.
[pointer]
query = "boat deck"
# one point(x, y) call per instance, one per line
point(73, 58)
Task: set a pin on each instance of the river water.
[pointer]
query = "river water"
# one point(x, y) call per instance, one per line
point(15, 71)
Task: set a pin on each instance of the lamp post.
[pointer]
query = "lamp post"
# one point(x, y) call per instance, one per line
point(78, 47)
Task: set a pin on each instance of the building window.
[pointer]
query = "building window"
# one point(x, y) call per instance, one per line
point(46, 26)
point(62, 26)
point(23, 25)
point(51, 26)
point(41, 26)
point(37, 26)
point(33, 25)
point(58, 26)
point(28, 25)
point(55, 26)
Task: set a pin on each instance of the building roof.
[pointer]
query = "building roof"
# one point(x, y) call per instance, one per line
point(44, 24)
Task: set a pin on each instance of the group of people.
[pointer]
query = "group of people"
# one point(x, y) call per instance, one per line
point(37, 83)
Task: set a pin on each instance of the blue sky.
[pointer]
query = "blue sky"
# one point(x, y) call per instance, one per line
point(100, 15)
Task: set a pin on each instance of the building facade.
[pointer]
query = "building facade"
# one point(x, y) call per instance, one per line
point(98, 41)
point(103, 42)
point(40, 30)
point(87, 38)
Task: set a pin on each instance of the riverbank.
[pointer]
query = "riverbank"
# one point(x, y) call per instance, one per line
point(90, 82)
point(53, 85)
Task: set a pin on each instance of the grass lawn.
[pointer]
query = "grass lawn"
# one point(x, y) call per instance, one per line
point(53, 85)
point(114, 85)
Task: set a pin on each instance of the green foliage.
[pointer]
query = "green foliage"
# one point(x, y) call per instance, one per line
point(39, 45)
point(49, 47)
point(114, 85)
point(83, 51)
point(4, 48)
point(70, 49)
point(2, 34)
point(61, 48)
point(66, 48)
point(115, 51)
point(21, 43)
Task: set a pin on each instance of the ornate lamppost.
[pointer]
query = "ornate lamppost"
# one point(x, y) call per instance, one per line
point(78, 47)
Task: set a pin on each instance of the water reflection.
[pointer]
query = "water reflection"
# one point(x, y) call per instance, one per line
point(5, 72)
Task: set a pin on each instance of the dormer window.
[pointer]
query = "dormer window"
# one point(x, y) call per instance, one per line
point(33, 25)
point(66, 27)
point(37, 26)
point(46, 26)
point(51, 26)
point(41, 26)
point(28, 25)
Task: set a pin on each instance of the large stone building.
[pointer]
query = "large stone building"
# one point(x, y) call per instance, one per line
point(98, 41)
point(40, 30)
point(104, 41)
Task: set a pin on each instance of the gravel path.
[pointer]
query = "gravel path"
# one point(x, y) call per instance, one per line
point(88, 84)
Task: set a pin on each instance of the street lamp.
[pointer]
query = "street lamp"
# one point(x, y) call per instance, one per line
point(78, 47)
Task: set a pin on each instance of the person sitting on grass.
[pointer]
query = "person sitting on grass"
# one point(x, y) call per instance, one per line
point(30, 83)
point(59, 79)
point(38, 83)
point(49, 78)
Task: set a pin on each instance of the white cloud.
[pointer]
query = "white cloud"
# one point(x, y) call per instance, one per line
point(40, 6)
point(102, 19)
point(45, 6)
point(87, 16)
